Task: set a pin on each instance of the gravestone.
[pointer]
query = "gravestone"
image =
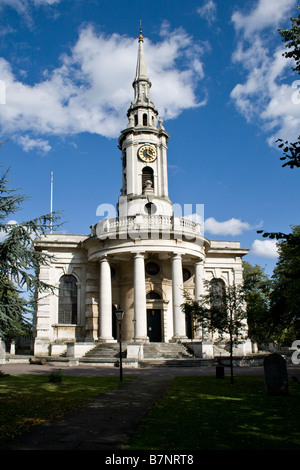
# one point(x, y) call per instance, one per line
point(276, 375)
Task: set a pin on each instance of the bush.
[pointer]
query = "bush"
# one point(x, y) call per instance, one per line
point(55, 376)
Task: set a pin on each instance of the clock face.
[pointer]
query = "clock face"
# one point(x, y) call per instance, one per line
point(147, 153)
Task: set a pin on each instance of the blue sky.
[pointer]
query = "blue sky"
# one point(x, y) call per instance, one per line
point(220, 84)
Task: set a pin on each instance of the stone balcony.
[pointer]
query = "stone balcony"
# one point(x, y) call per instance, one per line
point(148, 227)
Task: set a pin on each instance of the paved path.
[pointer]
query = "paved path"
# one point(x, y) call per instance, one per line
point(104, 423)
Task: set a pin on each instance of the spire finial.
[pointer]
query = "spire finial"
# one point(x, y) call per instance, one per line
point(141, 35)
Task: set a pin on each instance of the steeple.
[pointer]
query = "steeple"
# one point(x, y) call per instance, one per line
point(141, 102)
point(141, 69)
point(144, 150)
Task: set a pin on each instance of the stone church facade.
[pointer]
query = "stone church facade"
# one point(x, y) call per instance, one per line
point(142, 259)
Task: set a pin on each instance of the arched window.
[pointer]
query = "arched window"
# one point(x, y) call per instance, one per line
point(67, 300)
point(152, 295)
point(145, 120)
point(147, 175)
point(136, 120)
point(186, 274)
point(217, 290)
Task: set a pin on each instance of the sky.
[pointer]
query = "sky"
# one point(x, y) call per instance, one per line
point(219, 81)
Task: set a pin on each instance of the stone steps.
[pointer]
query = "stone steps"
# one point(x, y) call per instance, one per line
point(185, 362)
point(165, 350)
point(106, 351)
point(151, 351)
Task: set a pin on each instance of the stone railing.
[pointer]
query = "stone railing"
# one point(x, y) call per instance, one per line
point(147, 226)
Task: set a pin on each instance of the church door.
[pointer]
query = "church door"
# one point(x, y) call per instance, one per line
point(188, 326)
point(154, 325)
point(114, 322)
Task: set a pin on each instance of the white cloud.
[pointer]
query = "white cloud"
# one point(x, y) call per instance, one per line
point(24, 7)
point(228, 227)
point(29, 144)
point(264, 248)
point(266, 13)
point(91, 90)
point(208, 10)
point(267, 95)
point(45, 2)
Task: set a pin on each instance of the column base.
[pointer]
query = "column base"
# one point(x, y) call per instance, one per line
point(107, 340)
point(142, 340)
point(177, 339)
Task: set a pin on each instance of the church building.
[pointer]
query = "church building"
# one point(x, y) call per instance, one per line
point(142, 259)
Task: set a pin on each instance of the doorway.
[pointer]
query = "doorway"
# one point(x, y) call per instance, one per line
point(154, 325)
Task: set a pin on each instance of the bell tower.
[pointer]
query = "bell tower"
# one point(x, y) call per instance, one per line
point(144, 151)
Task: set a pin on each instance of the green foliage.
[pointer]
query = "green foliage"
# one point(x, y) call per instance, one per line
point(222, 312)
point(291, 151)
point(258, 287)
point(56, 376)
point(292, 39)
point(19, 261)
point(285, 298)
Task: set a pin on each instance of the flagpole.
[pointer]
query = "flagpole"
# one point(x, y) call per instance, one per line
point(51, 200)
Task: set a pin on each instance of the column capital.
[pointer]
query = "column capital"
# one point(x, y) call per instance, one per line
point(104, 258)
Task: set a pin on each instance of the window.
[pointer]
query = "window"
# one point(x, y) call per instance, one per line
point(217, 289)
point(136, 120)
point(152, 295)
point(150, 208)
point(186, 274)
point(145, 121)
point(67, 300)
point(147, 175)
point(152, 268)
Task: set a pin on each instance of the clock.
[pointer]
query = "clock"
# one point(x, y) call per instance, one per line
point(147, 153)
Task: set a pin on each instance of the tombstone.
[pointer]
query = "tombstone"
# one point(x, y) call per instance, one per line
point(276, 375)
point(2, 352)
point(220, 372)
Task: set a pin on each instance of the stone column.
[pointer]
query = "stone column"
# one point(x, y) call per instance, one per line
point(199, 290)
point(178, 299)
point(199, 279)
point(140, 313)
point(105, 302)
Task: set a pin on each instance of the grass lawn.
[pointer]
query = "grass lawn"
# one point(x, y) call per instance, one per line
point(28, 400)
point(206, 413)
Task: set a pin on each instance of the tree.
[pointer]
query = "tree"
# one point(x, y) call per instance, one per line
point(291, 150)
point(258, 287)
point(222, 311)
point(292, 153)
point(292, 39)
point(285, 297)
point(19, 262)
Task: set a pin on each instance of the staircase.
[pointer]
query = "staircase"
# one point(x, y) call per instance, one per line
point(155, 355)
point(104, 353)
point(165, 351)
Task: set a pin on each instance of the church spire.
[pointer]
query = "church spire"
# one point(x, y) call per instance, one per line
point(144, 151)
point(141, 69)
point(141, 102)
